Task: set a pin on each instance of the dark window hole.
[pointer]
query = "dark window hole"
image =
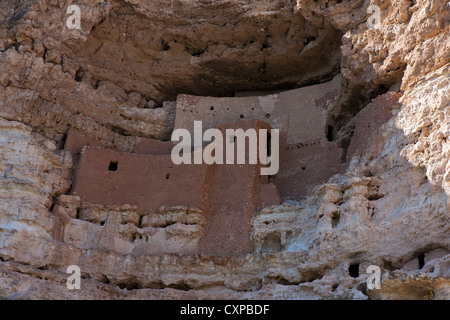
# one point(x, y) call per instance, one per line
point(79, 75)
point(241, 116)
point(353, 270)
point(335, 221)
point(167, 175)
point(62, 142)
point(421, 259)
point(113, 165)
point(330, 136)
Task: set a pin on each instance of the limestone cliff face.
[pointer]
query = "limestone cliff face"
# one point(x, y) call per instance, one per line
point(114, 81)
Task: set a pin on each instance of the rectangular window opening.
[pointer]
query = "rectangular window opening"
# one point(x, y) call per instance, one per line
point(113, 165)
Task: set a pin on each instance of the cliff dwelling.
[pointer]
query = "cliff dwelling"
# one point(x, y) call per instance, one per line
point(358, 101)
point(227, 196)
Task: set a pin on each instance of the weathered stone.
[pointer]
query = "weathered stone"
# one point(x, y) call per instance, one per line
point(301, 115)
point(387, 205)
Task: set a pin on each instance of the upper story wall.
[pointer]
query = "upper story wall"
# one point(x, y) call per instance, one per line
point(108, 177)
point(301, 114)
point(227, 195)
point(76, 140)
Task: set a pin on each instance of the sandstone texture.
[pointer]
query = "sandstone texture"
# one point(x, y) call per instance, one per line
point(364, 119)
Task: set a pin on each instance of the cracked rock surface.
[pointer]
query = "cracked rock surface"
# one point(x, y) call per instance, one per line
point(115, 81)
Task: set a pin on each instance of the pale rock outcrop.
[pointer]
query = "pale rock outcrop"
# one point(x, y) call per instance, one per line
point(389, 208)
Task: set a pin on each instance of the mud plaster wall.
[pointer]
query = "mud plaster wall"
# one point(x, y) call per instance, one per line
point(304, 166)
point(369, 120)
point(76, 140)
point(229, 194)
point(148, 181)
point(307, 158)
point(301, 114)
point(235, 191)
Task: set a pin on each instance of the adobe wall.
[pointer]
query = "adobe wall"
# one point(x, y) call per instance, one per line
point(76, 140)
point(147, 181)
point(268, 195)
point(368, 121)
point(233, 196)
point(302, 167)
point(256, 124)
point(319, 157)
point(229, 195)
point(151, 146)
point(236, 192)
point(300, 114)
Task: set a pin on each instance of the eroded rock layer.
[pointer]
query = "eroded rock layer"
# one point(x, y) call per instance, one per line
point(380, 180)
